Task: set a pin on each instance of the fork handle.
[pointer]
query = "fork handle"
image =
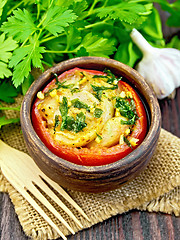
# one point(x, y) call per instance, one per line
point(5, 151)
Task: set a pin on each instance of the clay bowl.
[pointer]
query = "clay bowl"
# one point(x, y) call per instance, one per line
point(98, 178)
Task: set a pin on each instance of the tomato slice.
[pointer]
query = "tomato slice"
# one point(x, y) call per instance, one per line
point(92, 156)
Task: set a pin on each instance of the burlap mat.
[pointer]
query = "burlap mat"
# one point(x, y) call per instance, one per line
point(155, 189)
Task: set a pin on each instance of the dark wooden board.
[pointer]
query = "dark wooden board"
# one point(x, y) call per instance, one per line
point(134, 225)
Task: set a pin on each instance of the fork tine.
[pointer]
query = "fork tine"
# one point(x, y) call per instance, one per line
point(54, 197)
point(63, 193)
point(23, 159)
point(13, 172)
point(49, 206)
point(10, 177)
point(39, 196)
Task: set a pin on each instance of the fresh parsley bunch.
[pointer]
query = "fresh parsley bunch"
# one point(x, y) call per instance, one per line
point(39, 33)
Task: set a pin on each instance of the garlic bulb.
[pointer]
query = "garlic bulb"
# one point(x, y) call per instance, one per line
point(159, 67)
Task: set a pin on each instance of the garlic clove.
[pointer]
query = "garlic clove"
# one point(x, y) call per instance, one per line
point(159, 67)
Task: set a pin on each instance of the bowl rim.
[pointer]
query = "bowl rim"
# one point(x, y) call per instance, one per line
point(26, 106)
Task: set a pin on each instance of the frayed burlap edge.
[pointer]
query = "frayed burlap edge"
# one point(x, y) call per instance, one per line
point(165, 203)
point(153, 201)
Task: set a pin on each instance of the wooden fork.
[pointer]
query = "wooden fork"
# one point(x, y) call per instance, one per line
point(24, 175)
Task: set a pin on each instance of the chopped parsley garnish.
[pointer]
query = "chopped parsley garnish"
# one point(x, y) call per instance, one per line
point(75, 125)
point(75, 90)
point(111, 77)
point(79, 104)
point(56, 76)
point(79, 123)
point(130, 121)
point(68, 122)
point(83, 75)
point(57, 122)
point(100, 76)
point(99, 90)
point(98, 136)
point(63, 108)
point(97, 112)
point(127, 142)
point(62, 85)
point(127, 109)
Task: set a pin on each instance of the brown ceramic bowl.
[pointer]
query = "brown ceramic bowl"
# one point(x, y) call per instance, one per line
point(98, 178)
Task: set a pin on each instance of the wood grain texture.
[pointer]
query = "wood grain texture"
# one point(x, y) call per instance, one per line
point(120, 226)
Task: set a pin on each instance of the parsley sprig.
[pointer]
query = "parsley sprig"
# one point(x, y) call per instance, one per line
point(46, 31)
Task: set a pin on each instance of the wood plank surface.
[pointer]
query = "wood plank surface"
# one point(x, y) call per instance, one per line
point(134, 225)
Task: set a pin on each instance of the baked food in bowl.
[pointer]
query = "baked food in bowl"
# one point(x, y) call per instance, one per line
point(82, 175)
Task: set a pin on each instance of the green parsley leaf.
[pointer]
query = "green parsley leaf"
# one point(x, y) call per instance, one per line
point(23, 58)
point(7, 92)
point(79, 6)
point(10, 108)
point(174, 43)
point(98, 112)
point(64, 3)
point(62, 85)
point(69, 122)
point(82, 52)
point(100, 138)
point(76, 103)
point(97, 46)
point(6, 46)
point(111, 77)
point(75, 125)
point(5, 121)
point(57, 122)
point(63, 108)
point(27, 83)
point(99, 90)
point(20, 26)
point(130, 121)
point(128, 53)
point(56, 18)
point(127, 142)
point(4, 71)
point(73, 36)
point(173, 9)
point(127, 109)
point(79, 124)
point(125, 11)
point(2, 3)
point(75, 90)
point(100, 76)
